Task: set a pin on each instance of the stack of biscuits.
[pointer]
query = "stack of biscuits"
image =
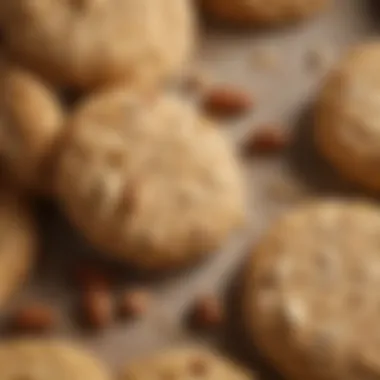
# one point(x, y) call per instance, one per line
point(152, 182)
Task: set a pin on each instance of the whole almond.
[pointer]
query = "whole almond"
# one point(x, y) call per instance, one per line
point(134, 303)
point(227, 102)
point(97, 308)
point(34, 318)
point(266, 140)
point(207, 312)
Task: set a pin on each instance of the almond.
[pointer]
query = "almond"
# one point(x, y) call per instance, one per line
point(34, 317)
point(227, 102)
point(266, 141)
point(134, 303)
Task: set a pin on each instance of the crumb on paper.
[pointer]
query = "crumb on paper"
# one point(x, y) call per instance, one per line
point(264, 58)
point(317, 58)
point(198, 81)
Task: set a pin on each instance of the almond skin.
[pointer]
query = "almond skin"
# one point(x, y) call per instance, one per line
point(207, 313)
point(97, 308)
point(134, 303)
point(227, 102)
point(266, 140)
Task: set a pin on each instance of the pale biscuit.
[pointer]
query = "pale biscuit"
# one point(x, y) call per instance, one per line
point(347, 130)
point(87, 43)
point(149, 181)
point(18, 245)
point(185, 363)
point(38, 359)
point(31, 122)
point(311, 298)
point(262, 12)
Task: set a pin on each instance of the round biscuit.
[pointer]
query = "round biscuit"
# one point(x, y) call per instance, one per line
point(31, 121)
point(149, 181)
point(347, 128)
point(311, 300)
point(185, 363)
point(39, 359)
point(262, 12)
point(91, 43)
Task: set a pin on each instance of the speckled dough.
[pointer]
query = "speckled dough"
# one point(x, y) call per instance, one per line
point(149, 181)
point(347, 129)
point(31, 121)
point(47, 360)
point(18, 245)
point(185, 364)
point(262, 12)
point(311, 299)
point(87, 43)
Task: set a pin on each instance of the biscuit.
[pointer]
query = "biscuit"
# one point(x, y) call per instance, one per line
point(149, 181)
point(311, 296)
point(262, 12)
point(185, 363)
point(90, 43)
point(38, 359)
point(31, 121)
point(347, 127)
point(18, 245)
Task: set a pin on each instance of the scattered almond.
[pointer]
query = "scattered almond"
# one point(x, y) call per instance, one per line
point(227, 102)
point(34, 317)
point(134, 303)
point(97, 308)
point(207, 312)
point(267, 140)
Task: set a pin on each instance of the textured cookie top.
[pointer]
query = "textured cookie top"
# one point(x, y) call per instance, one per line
point(47, 360)
point(312, 298)
point(151, 181)
point(92, 42)
point(18, 244)
point(31, 120)
point(263, 12)
point(348, 115)
point(185, 364)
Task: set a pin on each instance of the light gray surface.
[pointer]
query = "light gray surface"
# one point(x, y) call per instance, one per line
point(284, 95)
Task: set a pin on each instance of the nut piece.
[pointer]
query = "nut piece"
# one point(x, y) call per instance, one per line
point(134, 303)
point(34, 317)
point(207, 312)
point(227, 102)
point(267, 140)
point(97, 307)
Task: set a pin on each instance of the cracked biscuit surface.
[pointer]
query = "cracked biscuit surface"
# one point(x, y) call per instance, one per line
point(38, 359)
point(311, 298)
point(185, 363)
point(149, 181)
point(347, 128)
point(89, 43)
point(262, 12)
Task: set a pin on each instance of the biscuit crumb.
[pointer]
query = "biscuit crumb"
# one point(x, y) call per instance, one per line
point(264, 58)
point(228, 101)
point(197, 81)
point(268, 139)
point(33, 317)
point(134, 303)
point(207, 312)
point(285, 189)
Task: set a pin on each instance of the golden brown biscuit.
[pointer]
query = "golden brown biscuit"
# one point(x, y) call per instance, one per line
point(18, 244)
point(185, 363)
point(262, 12)
point(311, 298)
point(88, 43)
point(31, 122)
point(150, 182)
point(347, 129)
point(39, 359)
